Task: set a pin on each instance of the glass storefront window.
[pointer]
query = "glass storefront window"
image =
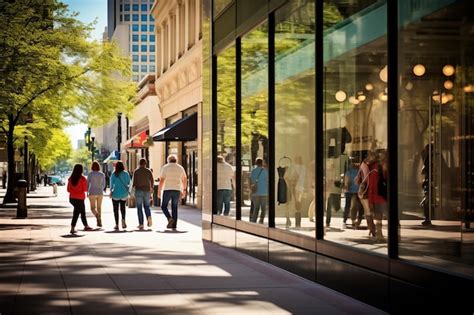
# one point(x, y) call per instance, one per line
point(226, 133)
point(355, 123)
point(436, 128)
point(295, 117)
point(254, 117)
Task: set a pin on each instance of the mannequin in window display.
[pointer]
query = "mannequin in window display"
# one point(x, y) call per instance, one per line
point(377, 195)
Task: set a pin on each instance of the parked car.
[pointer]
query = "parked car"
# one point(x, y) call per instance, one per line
point(56, 179)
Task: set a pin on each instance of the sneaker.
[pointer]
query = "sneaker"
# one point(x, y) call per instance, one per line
point(88, 228)
point(170, 223)
point(124, 224)
point(116, 228)
point(72, 231)
point(99, 222)
point(149, 221)
point(426, 222)
point(140, 227)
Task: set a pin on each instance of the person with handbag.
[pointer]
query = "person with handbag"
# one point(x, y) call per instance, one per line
point(259, 187)
point(142, 187)
point(119, 190)
point(362, 179)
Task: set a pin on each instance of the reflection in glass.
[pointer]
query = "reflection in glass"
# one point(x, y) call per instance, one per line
point(255, 124)
point(355, 123)
point(295, 117)
point(436, 127)
point(226, 133)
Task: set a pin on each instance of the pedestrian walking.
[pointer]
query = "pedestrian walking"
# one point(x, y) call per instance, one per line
point(4, 179)
point(119, 190)
point(173, 182)
point(95, 189)
point(259, 190)
point(77, 188)
point(142, 183)
point(225, 184)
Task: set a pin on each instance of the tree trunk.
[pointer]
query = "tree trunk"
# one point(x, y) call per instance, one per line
point(32, 172)
point(10, 193)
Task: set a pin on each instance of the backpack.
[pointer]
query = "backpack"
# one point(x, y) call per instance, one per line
point(382, 184)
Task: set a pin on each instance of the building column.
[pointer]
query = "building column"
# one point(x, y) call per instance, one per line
point(186, 25)
point(177, 33)
point(159, 60)
point(197, 19)
point(168, 42)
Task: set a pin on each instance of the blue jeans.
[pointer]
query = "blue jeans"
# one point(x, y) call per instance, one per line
point(172, 195)
point(142, 198)
point(223, 197)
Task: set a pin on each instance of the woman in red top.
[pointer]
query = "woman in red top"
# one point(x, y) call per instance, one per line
point(377, 200)
point(77, 188)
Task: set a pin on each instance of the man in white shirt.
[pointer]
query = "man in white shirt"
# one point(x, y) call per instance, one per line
point(225, 178)
point(173, 182)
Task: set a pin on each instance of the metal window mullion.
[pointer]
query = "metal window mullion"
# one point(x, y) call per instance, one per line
point(319, 145)
point(392, 56)
point(271, 119)
point(214, 132)
point(238, 128)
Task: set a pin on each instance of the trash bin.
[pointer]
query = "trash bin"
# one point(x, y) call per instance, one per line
point(156, 198)
point(21, 210)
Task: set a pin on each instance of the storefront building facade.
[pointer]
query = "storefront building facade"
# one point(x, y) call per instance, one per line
point(361, 114)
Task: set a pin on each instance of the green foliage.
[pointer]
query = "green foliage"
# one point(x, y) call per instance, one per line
point(48, 70)
point(81, 156)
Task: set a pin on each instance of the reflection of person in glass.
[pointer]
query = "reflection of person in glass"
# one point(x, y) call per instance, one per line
point(259, 179)
point(225, 184)
point(333, 190)
point(353, 205)
point(377, 192)
point(362, 179)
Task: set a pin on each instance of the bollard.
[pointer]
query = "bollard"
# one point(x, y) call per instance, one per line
point(21, 210)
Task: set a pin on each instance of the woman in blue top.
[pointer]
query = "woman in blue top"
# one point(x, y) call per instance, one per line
point(119, 187)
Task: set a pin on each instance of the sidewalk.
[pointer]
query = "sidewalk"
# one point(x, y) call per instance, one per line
point(43, 270)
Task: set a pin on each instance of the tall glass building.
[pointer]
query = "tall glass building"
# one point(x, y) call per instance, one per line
point(349, 127)
point(132, 26)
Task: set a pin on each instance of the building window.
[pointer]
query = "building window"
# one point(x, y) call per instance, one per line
point(135, 17)
point(135, 68)
point(144, 28)
point(135, 27)
point(152, 48)
point(254, 137)
point(121, 8)
point(144, 68)
point(152, 58)
point(121, 17)
point(134, 48)
point(144, 8)
point(135, 38)
point(144, 17)
point(152, 28)
point(226, 132)
point(152, 19)
point(135, 78)
point(144, 38)
point(152, 38)
point(436, 137)
point(135, 7)
point(143, 58)
point(355, 127)
point(127, 17)
point(294, 147)
point(152, 68)
point(135, 58)
point(127, 7)
point(144, 48)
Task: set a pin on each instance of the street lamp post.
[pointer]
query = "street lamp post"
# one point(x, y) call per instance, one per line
point(93, 148)
point(119, 131)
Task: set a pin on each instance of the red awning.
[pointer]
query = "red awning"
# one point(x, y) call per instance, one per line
point(138, 141)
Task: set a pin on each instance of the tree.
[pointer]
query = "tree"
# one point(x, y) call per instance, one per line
point(48, 70)
point(80, 156)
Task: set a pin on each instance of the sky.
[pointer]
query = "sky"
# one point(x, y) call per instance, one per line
point(89, 10)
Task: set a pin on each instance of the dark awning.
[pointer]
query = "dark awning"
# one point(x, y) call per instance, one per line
point(184, 129)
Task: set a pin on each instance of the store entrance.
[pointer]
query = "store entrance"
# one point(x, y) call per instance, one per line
point(190, 164)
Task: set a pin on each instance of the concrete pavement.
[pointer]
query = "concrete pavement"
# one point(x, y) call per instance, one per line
point(44, 270)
